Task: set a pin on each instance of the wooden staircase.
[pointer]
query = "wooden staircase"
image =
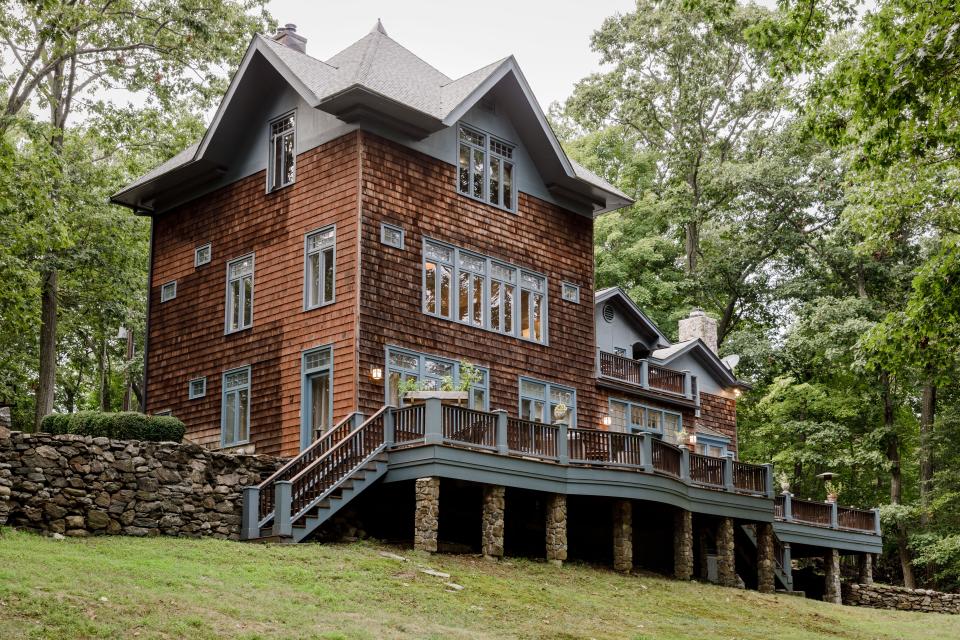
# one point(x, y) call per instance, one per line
point(307, 491)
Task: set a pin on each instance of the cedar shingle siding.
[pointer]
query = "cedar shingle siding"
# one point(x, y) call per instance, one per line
point(720, 413)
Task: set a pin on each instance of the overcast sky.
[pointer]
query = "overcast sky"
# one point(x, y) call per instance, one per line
point(550, 38)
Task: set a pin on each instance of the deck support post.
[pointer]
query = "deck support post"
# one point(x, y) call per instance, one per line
point(768, 480)
point(865, 568)
point(563, 444)
point(494, 502)
point(251, 513)
point(685, 463)
point(831, 563)
point(765, 560)
point(876, 519)
point(388, 427)
point(788, 564)
point(433, 421)
point(426, 516)
point(645, 373)
point(556, 528)
point(622, 535)
point(687, 385)
point(282, 504)
point(502, 447)
point(683, 544)
point(646, 449)
point(728, 472)
point(788, 506)
point(834, 520)
point(726, 556)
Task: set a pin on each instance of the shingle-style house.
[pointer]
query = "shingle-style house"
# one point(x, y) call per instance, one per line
point(353, 228)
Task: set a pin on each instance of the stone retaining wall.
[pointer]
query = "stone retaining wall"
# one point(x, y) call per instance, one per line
point(79, 486)
point(883, 596)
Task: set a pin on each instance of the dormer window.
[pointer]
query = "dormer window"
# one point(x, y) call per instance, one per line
point(485, 168)
point(281, 168)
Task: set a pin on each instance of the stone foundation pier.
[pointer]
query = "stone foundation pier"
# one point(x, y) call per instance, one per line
point(556, 528)
point(683, 545)
point(865, 568)
point(426, 516)
point(726, 557)
point(765, 559)
point(622, 535)
point(494, 502)
point(831, 565)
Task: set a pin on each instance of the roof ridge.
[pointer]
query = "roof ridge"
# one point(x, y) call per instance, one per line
point(477, 70)
point(273, 43)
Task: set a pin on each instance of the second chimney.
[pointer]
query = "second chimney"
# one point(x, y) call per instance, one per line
point(287, 36)
point(699, 325)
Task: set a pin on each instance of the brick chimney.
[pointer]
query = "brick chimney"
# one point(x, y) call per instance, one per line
point(699, 325)
point(287, 36)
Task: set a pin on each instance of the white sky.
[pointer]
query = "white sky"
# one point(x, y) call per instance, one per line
point(550, 39)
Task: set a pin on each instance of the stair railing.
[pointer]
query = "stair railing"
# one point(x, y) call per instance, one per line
point(301, 462)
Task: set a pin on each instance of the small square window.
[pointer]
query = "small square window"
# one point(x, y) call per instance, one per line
point(198, 388)
point(201, 255)
point(391, 235)
point(168, 291)
point(571, 292)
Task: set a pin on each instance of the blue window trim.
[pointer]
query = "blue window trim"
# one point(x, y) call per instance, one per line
point(420, 373)
point(645, 408)
point(305, 435)
point(253, 281)
point(194, 396)
point(485, 298)
point(384, 227)
point(223, 405)
point(306, 267)
point(163, 291)
point(487, 136)
point(271, 188)
point(573, 287)
point(196, 255)
point(716, 441)
point(548, 387)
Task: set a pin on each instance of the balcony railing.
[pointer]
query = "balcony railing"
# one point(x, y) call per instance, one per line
point(646, 375)
point(825, 514)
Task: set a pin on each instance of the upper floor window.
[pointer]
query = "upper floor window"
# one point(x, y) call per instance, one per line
point(570, 292)
point(483, 292)
point(485, 168)
point(546, 402)
point(320, 270)
point(631, 417)
point(281, 168)
point(432, 371)
point(168, 291)
point(239, 293)
point(201, 255)
point(235, 410)
point(197, 388)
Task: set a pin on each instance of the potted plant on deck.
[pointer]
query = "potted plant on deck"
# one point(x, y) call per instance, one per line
point(449, 392)
point(834, 489)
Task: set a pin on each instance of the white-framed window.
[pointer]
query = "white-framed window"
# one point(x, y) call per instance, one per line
point(282, 164)
point(486, 168)
point(403, 364)
point(235, 408)
point(168, 291)
point(320, 267)
point(712, 446)
point(570, 292)
point(633, 417)
point(239, 305)
point(544, 402)
point(202, 255)
point(316, 393)
point(197, 388)
point(391, 235)
point(483, 292)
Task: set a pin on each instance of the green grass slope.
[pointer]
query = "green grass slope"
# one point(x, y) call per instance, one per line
point(171, 588)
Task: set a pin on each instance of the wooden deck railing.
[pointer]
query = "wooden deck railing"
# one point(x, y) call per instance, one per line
point(751, 478)
point(642, 373)
point(409, 424)
point(825, 514)
point(605, 447)
point(858, 519)
point(706, 470)
point(666, 458)
point(532, 438)
point(469, 426)
point(812, 512)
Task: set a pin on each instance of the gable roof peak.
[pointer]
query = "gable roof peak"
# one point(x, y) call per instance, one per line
point(378, 28)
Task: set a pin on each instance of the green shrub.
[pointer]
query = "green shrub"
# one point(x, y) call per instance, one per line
point(126, 425)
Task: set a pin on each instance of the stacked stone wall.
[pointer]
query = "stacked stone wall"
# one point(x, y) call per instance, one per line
point(79, 486)
point(884, 596)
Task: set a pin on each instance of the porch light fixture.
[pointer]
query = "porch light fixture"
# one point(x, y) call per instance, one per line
point(376, 373)
point(607, 421)
point(737, 392)
point(693, 438)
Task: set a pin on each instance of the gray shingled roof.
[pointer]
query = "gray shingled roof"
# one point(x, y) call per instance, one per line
point(380, 65)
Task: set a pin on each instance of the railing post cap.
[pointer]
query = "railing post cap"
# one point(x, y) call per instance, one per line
point(498, 411)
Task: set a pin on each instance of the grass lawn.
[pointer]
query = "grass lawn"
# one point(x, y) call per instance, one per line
point(114, 587)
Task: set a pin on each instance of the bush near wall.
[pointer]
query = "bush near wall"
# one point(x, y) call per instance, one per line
point(127, 425)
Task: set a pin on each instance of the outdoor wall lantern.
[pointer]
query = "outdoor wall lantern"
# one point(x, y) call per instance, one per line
point(376, 373)
point(607, 421)
point(693, 438)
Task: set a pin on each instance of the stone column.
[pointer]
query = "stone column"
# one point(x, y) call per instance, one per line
point(831, 564)
point(726, 558)
point(765, 559)
point(557, 528)
point(426, 516)
point(622, 535)
point(493, 507)
point(865, 567)
point(683, 545)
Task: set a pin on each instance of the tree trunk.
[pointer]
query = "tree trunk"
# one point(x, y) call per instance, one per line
point(103, 374)
point(48, 344)
point(896, 480)
point(692, 246)
point(928, 412)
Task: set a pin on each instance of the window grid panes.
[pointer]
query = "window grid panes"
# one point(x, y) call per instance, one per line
point(403, 364)
point(631, 417)
point(489, 294)
point(201, 255)
point(235, 421)
point(239, 293)
point(197, 388)
point(317, 394)
point(570, 292)
point(282, 166)
point(485, 168)
point(539, 402)
point(320, 270)
point(391, 235)
point(168, 291)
